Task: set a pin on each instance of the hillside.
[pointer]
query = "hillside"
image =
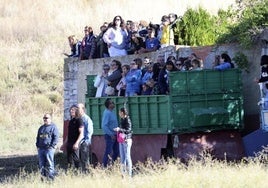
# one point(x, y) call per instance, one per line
point(33, 38)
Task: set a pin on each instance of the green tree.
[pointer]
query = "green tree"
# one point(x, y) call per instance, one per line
point(252, 18)
point(196, 28)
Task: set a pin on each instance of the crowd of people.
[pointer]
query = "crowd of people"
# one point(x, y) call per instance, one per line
point(77, 143)
point(120, 37)
point(139, 77)
point(144, 77)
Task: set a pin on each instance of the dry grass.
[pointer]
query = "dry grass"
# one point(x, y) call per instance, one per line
point(207, 173)
point(33, 37)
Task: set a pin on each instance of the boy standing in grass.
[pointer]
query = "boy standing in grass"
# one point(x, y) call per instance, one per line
point(46, 142)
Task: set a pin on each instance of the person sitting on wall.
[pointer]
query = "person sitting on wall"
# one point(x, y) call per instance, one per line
point(151, 43)
point(135, 44)
point(74, 45)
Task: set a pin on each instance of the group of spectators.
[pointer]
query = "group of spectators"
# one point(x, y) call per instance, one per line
point(119, 38)
point(144, 77)
point(140, 77)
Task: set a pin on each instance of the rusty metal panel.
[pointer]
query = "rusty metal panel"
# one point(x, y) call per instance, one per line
point(143, 147)
point(220, 144)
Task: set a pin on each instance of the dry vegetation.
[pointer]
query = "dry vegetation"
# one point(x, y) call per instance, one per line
point(33, 37)
point(207, 173)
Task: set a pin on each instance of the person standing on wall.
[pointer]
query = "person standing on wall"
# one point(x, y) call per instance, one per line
point(125, 146)
point(74, 137)
point(88, 44)
point(116, 38)
point(109, 122)
point(46, 143)
point(85, 149)
point(173, 21)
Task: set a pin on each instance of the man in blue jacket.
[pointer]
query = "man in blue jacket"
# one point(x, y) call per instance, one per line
point(109, 122)
point(46, 143)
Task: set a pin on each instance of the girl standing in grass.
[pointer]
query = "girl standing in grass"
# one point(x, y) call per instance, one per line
point(125, 146)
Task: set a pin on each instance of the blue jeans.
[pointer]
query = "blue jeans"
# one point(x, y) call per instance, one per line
point(125, 156)
point(111, 147)
point(46, 162)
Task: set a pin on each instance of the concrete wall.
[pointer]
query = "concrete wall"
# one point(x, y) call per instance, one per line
point(75, 72)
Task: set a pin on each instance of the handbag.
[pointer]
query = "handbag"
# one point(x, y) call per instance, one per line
point(121, 137)
point(109, 90)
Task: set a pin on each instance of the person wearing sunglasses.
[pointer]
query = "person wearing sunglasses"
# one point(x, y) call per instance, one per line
point(116, 38)
point(46, 142)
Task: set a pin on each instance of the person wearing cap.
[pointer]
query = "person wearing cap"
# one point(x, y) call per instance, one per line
point(46, 142)
point(74, 137)
point(85, 149)
point(101, 82)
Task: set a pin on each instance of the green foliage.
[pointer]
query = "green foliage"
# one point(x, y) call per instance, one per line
point(235, 25)
point(251, 21)
point(196, 28)
point(242, 61)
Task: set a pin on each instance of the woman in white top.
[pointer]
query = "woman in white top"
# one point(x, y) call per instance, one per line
point(116, 38)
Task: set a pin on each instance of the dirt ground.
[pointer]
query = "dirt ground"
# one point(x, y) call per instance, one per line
point(11, 166)
point(17, 165)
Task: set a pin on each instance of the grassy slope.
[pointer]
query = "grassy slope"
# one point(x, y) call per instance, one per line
point(33, 37)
